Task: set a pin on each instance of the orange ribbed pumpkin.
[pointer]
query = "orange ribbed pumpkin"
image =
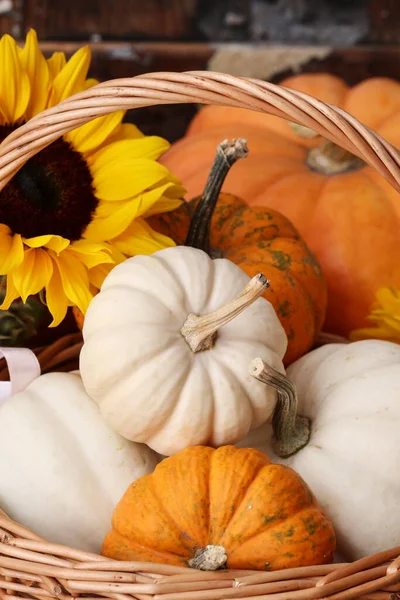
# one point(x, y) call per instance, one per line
point(257, 240)
point(253, 514)
point(347, 213)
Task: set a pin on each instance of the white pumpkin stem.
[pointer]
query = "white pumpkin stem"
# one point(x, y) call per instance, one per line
point(200, 332)
point(209, 558)
point(291, 432)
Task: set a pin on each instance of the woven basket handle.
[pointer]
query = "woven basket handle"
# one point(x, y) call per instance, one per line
point(204, 87)
point(23, 368)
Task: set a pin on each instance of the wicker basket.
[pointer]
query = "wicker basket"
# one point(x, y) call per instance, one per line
point(31, 567)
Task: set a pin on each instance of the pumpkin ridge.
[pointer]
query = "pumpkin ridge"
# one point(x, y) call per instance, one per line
point(172, 273)
point(273, 523)
point(225, 367)
point(174, 527)
point(327, 359)
point(179, 528)
point(140, 362)
point(241, 506)
point(294, 167)
point(240, 498)
point(153, 427)
point(307, 504)
point(153, 554)
point(55, 419)
point(169, 479)
point(311, 526)
point(182, 385)
point(369, 174)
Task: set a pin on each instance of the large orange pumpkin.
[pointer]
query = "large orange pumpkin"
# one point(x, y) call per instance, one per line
point(259, 240)
point(209, 508)
point(346, 212)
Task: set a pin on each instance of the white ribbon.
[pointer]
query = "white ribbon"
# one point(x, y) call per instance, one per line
point(23, 367)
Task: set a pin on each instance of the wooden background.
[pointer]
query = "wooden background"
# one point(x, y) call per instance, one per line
point(342, 22)
point(129, 37)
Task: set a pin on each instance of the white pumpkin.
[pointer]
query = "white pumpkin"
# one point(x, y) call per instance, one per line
point(62, 469)
point(163, 376)
point(351, 393)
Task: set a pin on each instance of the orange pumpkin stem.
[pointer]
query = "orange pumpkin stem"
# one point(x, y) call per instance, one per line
point(291, 432)
point(200, 332)
point(227, 154)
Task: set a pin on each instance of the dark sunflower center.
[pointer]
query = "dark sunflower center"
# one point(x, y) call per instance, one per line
point(52, 193)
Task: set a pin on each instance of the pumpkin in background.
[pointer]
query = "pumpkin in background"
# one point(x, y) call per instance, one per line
point(348, 396)
point(348, 215)
point(258, 240)
point(166, 349)
point(207, 508)
point(62, 469)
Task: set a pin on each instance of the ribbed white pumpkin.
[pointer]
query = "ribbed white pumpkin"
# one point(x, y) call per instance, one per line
point(62, 469)
point(151, 386)
point(351, 392)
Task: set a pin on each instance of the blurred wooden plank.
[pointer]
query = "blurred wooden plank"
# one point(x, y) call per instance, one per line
point(110, 19)
point(384, 21)
point(11, 17)
point(335, 22)
point(122, 59)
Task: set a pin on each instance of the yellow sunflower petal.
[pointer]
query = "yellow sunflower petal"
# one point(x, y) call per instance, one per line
point(11, 294)
point(166, 203)
point(146, 147)
point(140, 238)
point(89, 83)
point(56, 63)
point(91, 254)
point(127, 131)
point(163, 205)
point(112, 218)
point(98, 274)
point(56, 300)
point(14, 82)
point(52, 242)
point(33, 274)
point(71, 78)
point(11, 250)
point(378, 333)
point(148, 202)
point(90, 136)
point(122, 179)
point(391, 322)
point(37, 69)
point(75, 280)
point(389, 299)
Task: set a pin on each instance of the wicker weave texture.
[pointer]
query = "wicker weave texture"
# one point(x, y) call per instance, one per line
point(32, 568)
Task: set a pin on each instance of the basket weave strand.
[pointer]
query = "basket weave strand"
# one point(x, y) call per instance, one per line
point(200, 87)
point(31, 567)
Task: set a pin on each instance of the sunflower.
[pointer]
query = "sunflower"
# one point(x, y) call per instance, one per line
point(386, 315)
point(79, 206)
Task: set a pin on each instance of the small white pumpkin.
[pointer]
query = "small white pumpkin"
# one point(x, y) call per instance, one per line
point(351, 394)
point(62, 469)
point(164, 376)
